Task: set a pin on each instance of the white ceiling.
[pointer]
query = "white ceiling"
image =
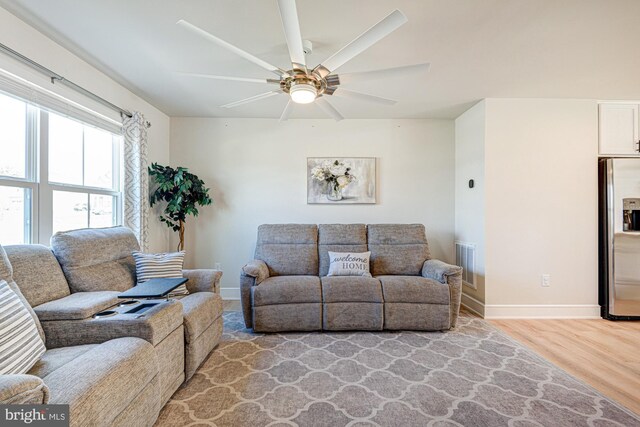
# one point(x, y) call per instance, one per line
point(477, 48)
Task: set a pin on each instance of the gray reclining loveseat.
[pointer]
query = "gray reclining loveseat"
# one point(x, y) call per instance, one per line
point(286, 287)
point(117, 370)
point(105, 383)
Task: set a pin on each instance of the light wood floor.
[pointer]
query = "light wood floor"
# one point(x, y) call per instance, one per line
point(602, 353)
point(231, 306)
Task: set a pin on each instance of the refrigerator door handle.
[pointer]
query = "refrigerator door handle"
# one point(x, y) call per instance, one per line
point(610, 237)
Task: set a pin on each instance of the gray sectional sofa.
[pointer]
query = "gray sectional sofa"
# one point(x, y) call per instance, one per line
point(286, 287)
point(117, 370)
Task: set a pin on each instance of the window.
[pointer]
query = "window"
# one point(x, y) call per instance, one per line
point(83, 174)
point(13, 118)
point(14, 214)
point(56, 174)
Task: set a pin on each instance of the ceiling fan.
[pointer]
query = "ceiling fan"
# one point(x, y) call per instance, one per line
point(304, 85)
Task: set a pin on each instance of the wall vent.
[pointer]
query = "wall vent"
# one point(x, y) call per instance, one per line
point(466, 258)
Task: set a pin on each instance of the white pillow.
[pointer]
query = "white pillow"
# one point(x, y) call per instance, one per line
point(20, 343)
point(163, 265)
point(349, 264)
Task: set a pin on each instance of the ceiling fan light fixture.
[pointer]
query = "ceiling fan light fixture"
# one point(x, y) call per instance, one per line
point(303, 93)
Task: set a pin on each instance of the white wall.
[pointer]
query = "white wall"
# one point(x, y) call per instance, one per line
point(540, 183)
point(541, 207)
point(470, 202)
point(257, 171)
point(29, 42)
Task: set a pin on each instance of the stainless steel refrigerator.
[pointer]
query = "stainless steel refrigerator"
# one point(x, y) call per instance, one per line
point(619, 238)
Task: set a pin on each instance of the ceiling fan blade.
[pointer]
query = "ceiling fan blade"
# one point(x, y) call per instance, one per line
point(385, 73)
point(364, 41)
point(328, 108)
point(287, 111)
point(235, 79)
point(346, 93)
point(289, 15)
point(226, 45)
point(251, 99)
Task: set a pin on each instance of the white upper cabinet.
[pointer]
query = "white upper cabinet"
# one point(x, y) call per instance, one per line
point(618, 124)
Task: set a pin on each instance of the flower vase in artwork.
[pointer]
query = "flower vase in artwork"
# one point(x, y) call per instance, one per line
point(335, 176)
point(335, 193)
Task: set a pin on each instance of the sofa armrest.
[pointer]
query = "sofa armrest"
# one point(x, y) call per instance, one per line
point(438, 270)
point(253, 273)
point(246, 283)
point(23, 389)
point(257, 269)
point(203, 280)
point(450, 275)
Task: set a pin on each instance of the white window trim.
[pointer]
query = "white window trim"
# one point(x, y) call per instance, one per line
point(39, 198)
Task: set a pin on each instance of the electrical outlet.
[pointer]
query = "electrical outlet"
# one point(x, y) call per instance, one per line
point(218, 266)
point(546, 280)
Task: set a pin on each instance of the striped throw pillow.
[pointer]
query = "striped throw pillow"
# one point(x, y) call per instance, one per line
point(20, 344)
point(164, 265)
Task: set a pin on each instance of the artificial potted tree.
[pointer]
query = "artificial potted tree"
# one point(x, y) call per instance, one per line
point(182, 191)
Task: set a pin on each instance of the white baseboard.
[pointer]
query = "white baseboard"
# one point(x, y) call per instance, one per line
point(530, 311)
point(542, 311)
point(473, 305)
point(230, 294)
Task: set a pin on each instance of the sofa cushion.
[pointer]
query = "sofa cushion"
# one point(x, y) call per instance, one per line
point(37, 272)
point(397, 248)
point(97, 259)
point(305, 316)
point(287, 290)
point(350, 316)
point(100, 383)
point(55, 358)
point(199, 310)
point(77, 306)
point(20, 344)
point(416, 316)
point(412, 289)
point(6, 274)
point(288, 249)
point(339, 238)
point(350, 289)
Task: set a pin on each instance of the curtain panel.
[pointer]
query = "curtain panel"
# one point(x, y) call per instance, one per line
point(136, 178)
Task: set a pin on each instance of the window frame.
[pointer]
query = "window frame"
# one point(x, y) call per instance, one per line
point(47, 188)
point(38, 189)
point(30, 180)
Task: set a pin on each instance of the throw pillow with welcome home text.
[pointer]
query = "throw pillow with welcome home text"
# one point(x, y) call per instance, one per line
point(349, 264)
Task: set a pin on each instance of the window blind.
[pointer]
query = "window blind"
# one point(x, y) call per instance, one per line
point(31, 93)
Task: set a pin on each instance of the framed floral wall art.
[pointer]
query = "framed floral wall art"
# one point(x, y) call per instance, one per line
point(341, 180)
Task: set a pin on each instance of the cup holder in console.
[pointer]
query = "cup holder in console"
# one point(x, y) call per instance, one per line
point(106, 313)
point(128, 303)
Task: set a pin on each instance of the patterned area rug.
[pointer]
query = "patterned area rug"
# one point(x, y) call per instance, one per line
point(472, 376)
